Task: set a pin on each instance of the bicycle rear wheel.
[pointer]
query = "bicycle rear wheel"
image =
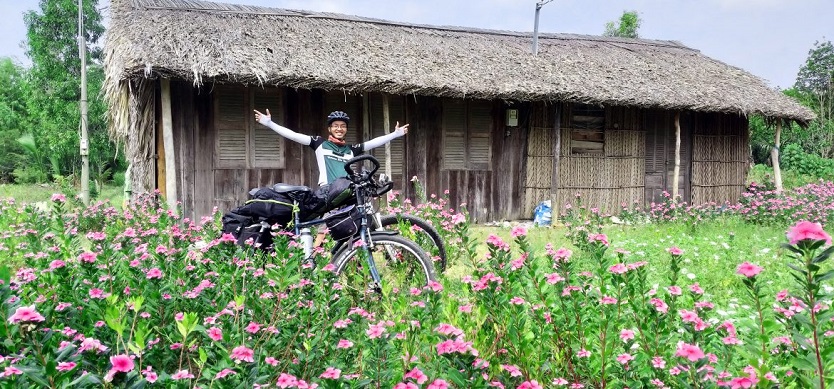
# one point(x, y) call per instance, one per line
point(409, 268)
point(426, 237)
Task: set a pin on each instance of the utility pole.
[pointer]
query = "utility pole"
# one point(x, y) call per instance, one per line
point(85, 153)
point(539, 6)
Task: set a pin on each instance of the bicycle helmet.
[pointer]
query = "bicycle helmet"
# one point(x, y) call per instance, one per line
point(337, 115)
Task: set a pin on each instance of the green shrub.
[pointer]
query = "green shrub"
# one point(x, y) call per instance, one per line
point(794, 158)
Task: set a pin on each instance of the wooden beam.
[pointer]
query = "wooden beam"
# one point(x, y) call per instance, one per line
point(774, 157)
point(557, 154)
point(677, 170)
point(386, 126)
point(168, 145)
point(366, 117)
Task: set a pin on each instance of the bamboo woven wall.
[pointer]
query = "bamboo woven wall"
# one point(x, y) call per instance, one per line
point(719, 158)
point(610, 180)
point(539, 173)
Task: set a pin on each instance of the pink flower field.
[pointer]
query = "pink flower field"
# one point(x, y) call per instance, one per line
point(101, 297)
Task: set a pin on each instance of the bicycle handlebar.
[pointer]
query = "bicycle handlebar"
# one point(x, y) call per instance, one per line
point(365, 157)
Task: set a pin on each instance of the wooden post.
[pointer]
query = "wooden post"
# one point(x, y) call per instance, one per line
point(386, 126)
point(366, 116)
point(557, 153)
point(774, 157)
point(677, 170)
point(168, 145)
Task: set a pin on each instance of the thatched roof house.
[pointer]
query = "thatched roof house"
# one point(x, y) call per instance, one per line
point(307, 58)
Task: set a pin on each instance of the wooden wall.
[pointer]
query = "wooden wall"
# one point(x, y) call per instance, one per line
point(634, 164)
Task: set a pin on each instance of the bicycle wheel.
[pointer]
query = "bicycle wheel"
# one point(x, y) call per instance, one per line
point(409, 268)
point(427, 236)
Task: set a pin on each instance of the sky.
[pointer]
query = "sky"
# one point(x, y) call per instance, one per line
point(768, 38)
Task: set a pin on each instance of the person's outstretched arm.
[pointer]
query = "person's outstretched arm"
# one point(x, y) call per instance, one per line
point(266, 119)
point(381, 140)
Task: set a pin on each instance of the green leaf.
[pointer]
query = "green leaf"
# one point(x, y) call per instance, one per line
point(35, 374)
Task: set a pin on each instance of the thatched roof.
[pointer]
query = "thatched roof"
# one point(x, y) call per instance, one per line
point(208, 42)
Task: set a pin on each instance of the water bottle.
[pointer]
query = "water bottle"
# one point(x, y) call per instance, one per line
point(307, 242)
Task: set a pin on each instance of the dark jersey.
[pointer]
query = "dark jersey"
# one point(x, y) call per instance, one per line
point(331, 158)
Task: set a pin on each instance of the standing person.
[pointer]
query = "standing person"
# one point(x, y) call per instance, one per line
point(331, 152)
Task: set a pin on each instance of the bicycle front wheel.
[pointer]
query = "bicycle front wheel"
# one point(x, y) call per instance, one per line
point(401, 264)
point(425, 236)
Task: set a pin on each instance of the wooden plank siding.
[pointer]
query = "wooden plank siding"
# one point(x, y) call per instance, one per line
point(632, 168)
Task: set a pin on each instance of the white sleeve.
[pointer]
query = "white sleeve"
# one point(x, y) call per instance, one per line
point(287, 133)
point(381, 140)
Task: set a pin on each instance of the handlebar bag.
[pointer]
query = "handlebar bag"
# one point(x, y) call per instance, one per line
point(337, 194)
point(344, 223)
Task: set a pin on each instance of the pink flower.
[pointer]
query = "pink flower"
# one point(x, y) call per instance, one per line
point(242, 353)
point(626, 335)
point(286, 381)
point(624, 358)
point(517, 300)
point(658, 363)
point(375, 330)
point(417, 375)
point(438, 384)
point(121, 363)
point(271, 361)
point(748, 269)
point(435, 286)
point(181, 375)
point(743, 382)
point(223, 373)
point(154, 273)
point(331, 373)
point(689, 351)
point(675, 251)
point(675, 290)
point(582, 353)
point(96, 293)
point(660, 305)
point(26, 315)
point(216, 334)
point(608, 300)
point(618, 268)
point(806, 230)
point(66, 366)
point(406, 385)
point(512, 369)
point(344, 343)
point(518, 231)
point(253, 327)
point(59, 198)
point(530, 385)
point(87, 257)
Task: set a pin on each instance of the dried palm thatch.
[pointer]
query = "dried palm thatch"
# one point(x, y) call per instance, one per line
point(205, 42)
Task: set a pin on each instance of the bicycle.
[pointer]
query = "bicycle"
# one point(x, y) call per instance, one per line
point(402, 258)
point(426, 236)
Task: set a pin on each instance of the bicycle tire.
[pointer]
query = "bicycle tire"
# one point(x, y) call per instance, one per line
point(394, 220)
point(408, 248)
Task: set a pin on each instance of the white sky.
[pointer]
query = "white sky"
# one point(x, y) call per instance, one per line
point(769, 38)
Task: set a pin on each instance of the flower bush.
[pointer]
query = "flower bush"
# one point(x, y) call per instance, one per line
point(139, 297)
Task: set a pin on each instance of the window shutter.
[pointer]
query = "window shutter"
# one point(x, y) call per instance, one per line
point(454, 134)
point(339, 101)
point(395, 113)
point(480, 128)
point(587, 129)
point(267, 146)
point(231, 124)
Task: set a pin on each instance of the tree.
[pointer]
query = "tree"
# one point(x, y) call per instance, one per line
point(14, 89)
point(815, 84)
point(626, 27)
point(52, 45)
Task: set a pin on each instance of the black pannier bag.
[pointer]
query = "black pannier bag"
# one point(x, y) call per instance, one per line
point(337, 194)
point(344, 223)
point(234, 223)
point(259, 239)
point(269, 206)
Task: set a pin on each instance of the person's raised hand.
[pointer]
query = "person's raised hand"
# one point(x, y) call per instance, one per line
point(401, 130)
point(263, 118)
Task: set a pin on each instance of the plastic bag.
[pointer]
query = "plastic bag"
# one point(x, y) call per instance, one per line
point(542, 214)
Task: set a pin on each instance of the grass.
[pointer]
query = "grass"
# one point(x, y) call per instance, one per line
point(39, 193)
point(712, 251)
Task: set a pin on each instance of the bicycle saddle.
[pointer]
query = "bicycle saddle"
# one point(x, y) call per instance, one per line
point(286, 188)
